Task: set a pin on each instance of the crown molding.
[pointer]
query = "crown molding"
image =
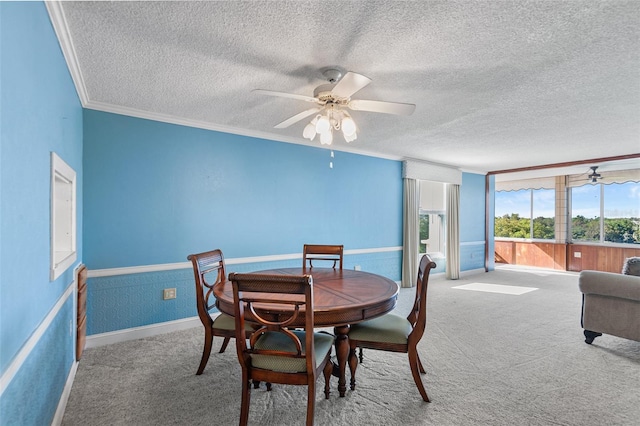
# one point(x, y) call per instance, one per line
point(61, 29)
point(181, 121)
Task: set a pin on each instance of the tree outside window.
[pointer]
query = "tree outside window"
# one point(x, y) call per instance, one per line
point(424, 231)
point(585, 213)
point(514, 210)
point(606, 213)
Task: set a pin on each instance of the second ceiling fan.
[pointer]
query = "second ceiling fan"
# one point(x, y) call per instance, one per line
point(332, 101)
point(593, 175)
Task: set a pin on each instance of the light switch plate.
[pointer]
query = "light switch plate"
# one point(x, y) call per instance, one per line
point(169, 293)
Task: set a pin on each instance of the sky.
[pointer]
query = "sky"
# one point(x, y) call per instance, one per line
point(621, 200)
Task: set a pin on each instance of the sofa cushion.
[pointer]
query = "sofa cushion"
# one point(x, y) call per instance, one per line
point(631, 266)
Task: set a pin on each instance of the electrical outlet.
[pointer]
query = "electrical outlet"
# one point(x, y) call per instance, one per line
point(356, 268)
point(169, 293)
point(577, 254)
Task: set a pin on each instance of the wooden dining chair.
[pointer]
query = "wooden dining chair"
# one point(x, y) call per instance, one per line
point(333, 253)
point(275, 353)
point(208, 270)
point(394, 333)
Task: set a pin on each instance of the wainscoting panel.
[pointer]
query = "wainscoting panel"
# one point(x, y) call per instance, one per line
point(39, 381)
point(471, 255)
point(124, 301)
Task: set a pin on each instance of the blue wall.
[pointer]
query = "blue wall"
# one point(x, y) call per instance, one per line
point(472, 223)
point(156, 192)
point(40, 113)
point(492, 219)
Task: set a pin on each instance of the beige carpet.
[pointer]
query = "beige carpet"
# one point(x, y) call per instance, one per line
point(491, 359)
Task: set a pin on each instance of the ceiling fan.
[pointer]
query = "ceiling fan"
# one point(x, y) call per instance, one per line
point(593, 176)
point(332, 101)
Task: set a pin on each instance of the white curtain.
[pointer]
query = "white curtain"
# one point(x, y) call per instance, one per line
point(452, 270)
point(410, 232)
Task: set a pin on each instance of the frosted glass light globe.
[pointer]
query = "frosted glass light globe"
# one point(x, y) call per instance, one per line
point(323, 125)
point(326, 138)
point(309, 131)
point(348, 126)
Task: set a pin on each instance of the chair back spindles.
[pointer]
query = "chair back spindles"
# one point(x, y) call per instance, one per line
point(209, 270)
point(319, 252)
point(276, 352)
point(418, 315)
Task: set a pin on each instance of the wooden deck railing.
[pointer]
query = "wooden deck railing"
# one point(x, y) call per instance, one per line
point(566, 257)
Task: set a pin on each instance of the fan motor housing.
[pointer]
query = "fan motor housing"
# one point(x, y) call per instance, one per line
point(323, 93)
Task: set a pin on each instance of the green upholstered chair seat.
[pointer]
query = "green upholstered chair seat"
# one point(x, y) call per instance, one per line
point(227, 322)
point(389, 328)
point(279, 341)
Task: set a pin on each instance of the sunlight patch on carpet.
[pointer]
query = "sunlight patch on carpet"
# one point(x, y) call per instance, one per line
point(496, 288)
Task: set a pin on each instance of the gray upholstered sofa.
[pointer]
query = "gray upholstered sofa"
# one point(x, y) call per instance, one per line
point(610, 304)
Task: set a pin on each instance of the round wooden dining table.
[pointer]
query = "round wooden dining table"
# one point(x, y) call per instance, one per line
point(340, 298)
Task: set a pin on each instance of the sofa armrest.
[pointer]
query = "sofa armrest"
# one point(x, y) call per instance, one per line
point(610, 284)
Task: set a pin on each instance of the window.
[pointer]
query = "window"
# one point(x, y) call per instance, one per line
point(432, 232)
point(432, 218)
point(63, 216)
point(515, 210)
point(543, 214)
point(621, 213)
point(585, 213)
point(606, 213)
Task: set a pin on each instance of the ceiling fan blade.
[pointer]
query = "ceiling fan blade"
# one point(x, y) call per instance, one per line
point(380, 106)
point(350, 84)
point(289, 121)
point(286, 95)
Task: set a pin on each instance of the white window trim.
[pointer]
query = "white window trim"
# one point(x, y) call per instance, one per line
point(63, 217)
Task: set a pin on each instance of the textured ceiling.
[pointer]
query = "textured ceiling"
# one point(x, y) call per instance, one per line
point(497, 84)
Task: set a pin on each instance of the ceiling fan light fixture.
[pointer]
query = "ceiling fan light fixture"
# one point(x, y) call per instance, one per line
point(348, 126)
point(326, 138)
point(350, 138)
point(309, 131)
point(323, 125)
point(331, 101)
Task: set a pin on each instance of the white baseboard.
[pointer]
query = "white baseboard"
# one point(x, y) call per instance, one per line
point(141, 332)
point(64, 398)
